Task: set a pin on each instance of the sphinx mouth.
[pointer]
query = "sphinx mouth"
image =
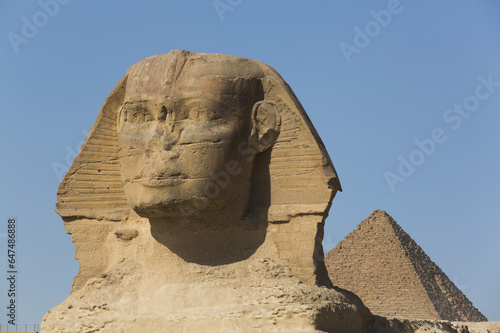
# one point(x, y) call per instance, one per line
point(162, 180)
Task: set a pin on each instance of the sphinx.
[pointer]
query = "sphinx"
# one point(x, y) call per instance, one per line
point(197, 204)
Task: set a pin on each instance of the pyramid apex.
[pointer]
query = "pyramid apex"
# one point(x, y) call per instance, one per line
point(379, 212)
point(376, 217)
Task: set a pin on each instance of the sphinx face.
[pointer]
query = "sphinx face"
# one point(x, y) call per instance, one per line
point(179, 154)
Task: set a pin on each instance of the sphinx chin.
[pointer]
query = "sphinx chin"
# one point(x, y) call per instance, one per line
point(187, 199)
point(152, 202)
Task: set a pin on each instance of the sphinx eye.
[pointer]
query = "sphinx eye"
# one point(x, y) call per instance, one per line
point(136, 114)
point(201, 112)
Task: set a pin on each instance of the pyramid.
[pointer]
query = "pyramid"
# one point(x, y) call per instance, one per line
point(393, 276)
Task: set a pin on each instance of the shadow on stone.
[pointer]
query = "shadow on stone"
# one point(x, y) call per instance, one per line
point(206, 246)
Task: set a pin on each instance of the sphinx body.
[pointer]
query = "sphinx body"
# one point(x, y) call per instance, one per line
point(197, 204)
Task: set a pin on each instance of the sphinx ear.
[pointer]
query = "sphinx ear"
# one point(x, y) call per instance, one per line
point(266, 122)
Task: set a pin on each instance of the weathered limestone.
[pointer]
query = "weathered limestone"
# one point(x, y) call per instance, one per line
point(197, 204)
point(393, 276)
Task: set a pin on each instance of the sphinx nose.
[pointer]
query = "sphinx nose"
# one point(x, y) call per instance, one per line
point(162, 137)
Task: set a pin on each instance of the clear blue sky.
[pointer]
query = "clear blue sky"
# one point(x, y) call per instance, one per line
point(370, 94)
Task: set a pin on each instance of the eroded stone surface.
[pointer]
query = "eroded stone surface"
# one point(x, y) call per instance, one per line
point(197, 204)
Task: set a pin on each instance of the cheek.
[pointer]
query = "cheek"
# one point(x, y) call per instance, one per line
point(208, 147)
point(203, 161)
point(131, 138)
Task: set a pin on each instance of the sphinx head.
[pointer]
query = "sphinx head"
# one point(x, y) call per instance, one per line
point(188, 136)
point(199, 135)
